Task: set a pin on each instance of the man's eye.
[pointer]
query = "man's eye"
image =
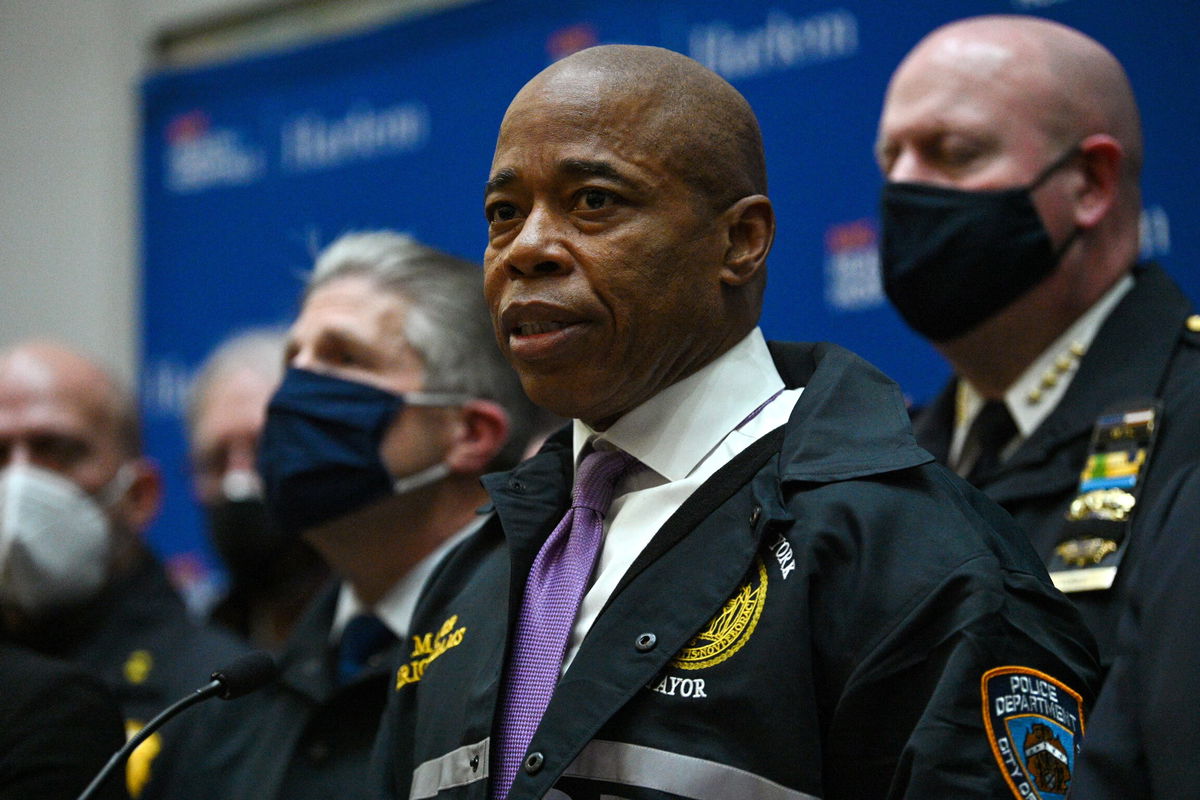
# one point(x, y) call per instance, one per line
point(58, 451)
point(957, 153)
point(501, 212)
point(594, 199)
point(345, 358)
point(209, 463)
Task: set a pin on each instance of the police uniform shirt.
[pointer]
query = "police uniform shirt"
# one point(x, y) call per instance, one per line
point(1037, 391)
point(1141, 739)
point(679, 459)
point(1144, 356)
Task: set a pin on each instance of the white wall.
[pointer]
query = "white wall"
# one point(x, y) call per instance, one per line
point(69, 72)
point(67, 253)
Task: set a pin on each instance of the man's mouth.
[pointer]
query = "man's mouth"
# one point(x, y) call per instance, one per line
point(534, 328)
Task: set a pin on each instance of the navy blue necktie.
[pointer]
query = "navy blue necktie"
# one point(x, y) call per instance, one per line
point(365, 635)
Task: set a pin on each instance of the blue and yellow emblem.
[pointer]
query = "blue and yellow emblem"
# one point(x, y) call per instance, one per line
point(1034, 724)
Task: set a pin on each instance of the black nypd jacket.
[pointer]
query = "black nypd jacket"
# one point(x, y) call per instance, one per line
point(136, 636)
point(1146, 728)
point(818, 620)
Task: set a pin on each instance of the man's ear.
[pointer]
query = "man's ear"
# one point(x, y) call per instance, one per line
point(142, 500)
point(750, 223)
point(481, 432)
point(1102, 158)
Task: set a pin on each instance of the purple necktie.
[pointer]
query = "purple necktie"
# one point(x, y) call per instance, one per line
point(557, 581)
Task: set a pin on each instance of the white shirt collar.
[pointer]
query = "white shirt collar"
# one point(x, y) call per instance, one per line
point(1042, 385)
point(673, 431)
point(395, 608)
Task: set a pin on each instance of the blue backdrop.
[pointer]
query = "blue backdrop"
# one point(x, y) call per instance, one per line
point(249, 167)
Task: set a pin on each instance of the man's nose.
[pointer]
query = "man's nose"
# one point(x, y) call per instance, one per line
point(909, 167)
point(538, 247)
point(304, 358)
point(15, 453)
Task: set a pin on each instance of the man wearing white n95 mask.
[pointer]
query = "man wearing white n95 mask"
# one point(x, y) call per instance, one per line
point(42, 568)
point(76, 579)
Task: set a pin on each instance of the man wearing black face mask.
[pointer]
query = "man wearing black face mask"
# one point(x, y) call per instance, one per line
point(1012, 151)
point(271, 577)
point(394, 403)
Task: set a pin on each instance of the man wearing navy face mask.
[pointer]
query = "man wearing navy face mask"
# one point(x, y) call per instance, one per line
point(395, 401)
point(1012, 151)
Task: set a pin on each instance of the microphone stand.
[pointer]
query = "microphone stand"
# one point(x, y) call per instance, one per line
point(212, 689)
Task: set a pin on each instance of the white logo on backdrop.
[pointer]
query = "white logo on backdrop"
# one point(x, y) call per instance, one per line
point(852, 280)
point(314, 141)
point(1028, 4)
point(1156, 232)
point(211, 158)
point(782, 42)
point(166, 386)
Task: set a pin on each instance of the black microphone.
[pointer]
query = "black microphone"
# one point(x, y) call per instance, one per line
point(247, 674)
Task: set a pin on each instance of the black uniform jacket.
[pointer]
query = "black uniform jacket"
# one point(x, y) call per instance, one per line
point(815, 621)
point(147, 648)
point(58, 727)
point(138, 638)
point(1143, 350)
point(1146, 732)
point(302, 737)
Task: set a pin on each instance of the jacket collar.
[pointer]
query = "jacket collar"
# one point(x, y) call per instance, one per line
point(307, 664)
point(851, 420)
point(1128, 360)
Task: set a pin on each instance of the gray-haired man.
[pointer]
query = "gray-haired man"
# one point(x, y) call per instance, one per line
point(395, 402)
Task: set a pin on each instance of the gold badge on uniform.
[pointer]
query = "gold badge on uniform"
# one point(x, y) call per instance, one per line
point(1095, 532)
point(138, 666)
point(728, 630)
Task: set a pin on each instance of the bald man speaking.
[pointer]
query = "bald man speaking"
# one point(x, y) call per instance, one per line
point(734, 574)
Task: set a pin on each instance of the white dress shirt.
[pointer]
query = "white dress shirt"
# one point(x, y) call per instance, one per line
point(395, 608)
point(1040, 387)
point(683, 435)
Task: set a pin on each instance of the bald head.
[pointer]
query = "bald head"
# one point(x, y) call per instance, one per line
point(50, 370)
point(1014, 102)
point(704, 128)
point(1067, 84)
point(626, 217)
point(61, 412)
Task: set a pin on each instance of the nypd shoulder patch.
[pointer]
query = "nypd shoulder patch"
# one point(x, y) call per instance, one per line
point(1034, 724)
